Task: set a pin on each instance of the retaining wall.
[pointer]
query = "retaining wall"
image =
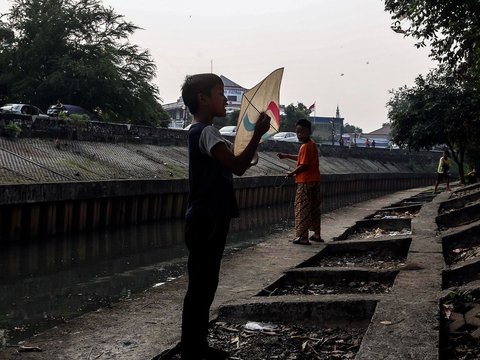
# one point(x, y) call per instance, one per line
point(153, 165)
point(41, 210)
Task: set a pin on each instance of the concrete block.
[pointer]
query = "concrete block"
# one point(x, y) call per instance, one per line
point(472, 317)
point(457, 322)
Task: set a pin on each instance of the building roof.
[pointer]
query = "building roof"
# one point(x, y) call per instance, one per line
point(229, 83)
point(383, 131)
point(325, 119)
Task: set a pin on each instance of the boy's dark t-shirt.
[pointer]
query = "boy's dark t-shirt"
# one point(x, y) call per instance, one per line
point(211, 185)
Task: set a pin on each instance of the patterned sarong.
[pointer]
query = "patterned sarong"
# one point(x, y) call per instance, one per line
point(307, 209)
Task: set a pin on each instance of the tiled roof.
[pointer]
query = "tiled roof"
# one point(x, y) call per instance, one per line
point(384, 131)
point(229, 83)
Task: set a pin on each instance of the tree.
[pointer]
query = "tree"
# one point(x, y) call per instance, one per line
point(350, 129)
point(439, 109)
point(451, 27)
point(77, 51)
point(230, 119)
point(292, 115)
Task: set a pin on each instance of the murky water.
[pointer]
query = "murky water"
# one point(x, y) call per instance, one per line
point(52, 280)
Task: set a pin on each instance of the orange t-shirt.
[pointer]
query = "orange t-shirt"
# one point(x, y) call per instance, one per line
point(308, 156)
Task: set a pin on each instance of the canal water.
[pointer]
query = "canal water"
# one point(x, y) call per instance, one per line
point(49, 281)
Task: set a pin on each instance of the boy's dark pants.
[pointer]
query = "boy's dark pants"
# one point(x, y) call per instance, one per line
point(205, 239)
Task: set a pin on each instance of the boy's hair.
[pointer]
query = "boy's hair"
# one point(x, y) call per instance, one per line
point(305, 123)
point(198, 84)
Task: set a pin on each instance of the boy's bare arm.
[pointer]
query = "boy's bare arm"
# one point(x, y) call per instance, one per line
point(299, 169)
point(239, 164)
point(287, 156)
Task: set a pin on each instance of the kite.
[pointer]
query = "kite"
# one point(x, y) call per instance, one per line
point(263, 97)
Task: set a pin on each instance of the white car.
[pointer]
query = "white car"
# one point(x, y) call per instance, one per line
point(228, 131)
point(285, 136)
point(24, 109)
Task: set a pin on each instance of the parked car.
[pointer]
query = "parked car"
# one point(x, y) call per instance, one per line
point(285, 136)
point(55, 110)
point(228, 131)
point(25, 109)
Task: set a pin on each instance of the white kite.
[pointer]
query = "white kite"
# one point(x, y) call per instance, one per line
point(263, 97)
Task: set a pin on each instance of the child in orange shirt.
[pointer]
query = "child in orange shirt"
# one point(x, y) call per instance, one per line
point(307, 180)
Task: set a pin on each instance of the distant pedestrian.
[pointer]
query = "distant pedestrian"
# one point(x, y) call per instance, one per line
point(373, 143)
point(307, 180)
point(59, 104)
point(210, 207)
point(340, 141)
point(367, 143)
point(472, 177)
point(443, 170)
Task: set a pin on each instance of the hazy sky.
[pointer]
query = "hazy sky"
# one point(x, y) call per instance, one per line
point(316, 41)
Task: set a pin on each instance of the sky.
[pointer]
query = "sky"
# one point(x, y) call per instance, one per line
point(334, 52)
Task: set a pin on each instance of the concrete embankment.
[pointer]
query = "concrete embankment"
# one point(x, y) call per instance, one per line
point(150, 322)
point(56, 186)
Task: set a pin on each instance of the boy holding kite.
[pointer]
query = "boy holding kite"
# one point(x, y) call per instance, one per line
point(211, 205)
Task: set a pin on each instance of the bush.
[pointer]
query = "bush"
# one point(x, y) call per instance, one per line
point(12, 130)
point(79, 120)
point(76, 120)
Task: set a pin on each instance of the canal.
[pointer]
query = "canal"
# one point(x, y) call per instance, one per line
point(51, 280)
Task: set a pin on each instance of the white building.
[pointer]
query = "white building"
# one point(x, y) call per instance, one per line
point(180, 116)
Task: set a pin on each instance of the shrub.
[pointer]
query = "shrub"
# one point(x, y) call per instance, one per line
point(12, 130)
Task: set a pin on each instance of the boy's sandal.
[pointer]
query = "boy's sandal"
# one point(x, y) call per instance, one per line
point(317, 239)
point(301, 241)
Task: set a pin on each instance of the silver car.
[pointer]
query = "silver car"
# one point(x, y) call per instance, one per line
point(24, 109)
point(285, 136)
point(228, 131)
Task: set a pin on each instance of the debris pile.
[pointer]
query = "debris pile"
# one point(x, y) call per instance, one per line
point(372, 259)
point(444, 211)
point(462, 193)
point(461, 318)
point(253, 340)
point(394, 215)
point(376, 233)
point(463, 254)
point(342, 287)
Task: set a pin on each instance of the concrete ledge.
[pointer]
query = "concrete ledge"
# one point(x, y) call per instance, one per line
point(457, 217)
point(405, 324)
point(354, 313)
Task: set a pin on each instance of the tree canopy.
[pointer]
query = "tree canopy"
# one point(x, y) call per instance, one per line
point(77, 51)
point(443, 107)
point(292, 115)
point(350, 129)
point(438, 110)
point(451, 27)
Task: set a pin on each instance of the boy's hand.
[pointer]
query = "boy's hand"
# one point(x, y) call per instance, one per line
point(262, 125)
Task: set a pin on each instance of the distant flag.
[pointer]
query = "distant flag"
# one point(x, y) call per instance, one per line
point(311, 107)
